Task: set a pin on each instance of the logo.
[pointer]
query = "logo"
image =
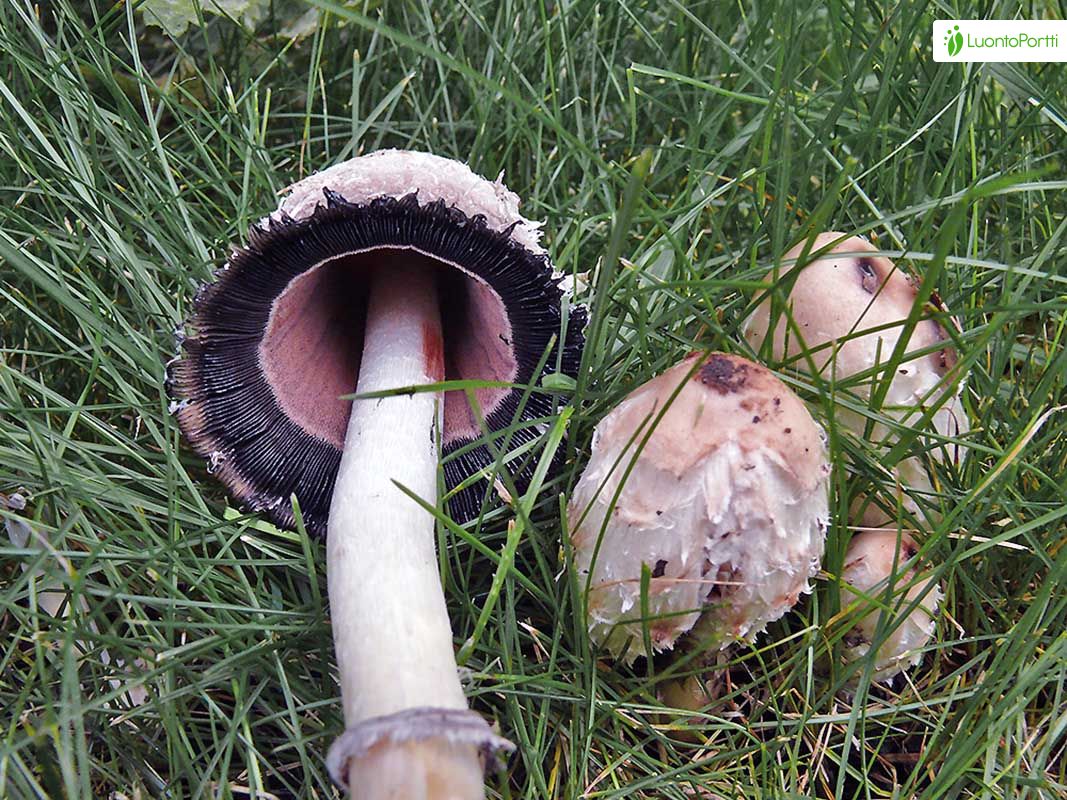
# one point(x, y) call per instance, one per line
point(969, 40)
point(954, 41)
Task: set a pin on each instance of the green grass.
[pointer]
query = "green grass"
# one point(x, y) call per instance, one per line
point(129, 162)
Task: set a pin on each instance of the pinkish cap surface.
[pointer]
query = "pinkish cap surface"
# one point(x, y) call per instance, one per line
point(872, 558)
point(713, 478)
point(849, 297)
point(848, 307)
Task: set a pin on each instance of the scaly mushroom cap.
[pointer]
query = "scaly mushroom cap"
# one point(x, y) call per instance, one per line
point(275, 341)
point(869, 563)
point(713, 476)
point(834, 299)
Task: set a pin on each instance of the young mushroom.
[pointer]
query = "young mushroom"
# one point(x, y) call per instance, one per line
point(389, 271)
point(707, 485)
point(846, 308)
point(880, 568)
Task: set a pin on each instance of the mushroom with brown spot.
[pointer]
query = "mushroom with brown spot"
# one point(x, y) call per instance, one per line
point(395, 270)
point(881, 582)
point(694, 479)
point(846, 308)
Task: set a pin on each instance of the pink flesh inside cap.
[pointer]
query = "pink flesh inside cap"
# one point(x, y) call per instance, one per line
point(311, 350)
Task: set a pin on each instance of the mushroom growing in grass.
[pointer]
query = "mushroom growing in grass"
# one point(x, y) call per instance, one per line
point(392, 271)
point(880, 572)
point(703, 508)
point(846, 308)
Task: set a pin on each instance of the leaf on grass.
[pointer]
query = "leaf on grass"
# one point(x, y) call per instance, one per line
point(557, 380)
point(51, 592)
point(303, 26)
point(230, 514)
point(53, 596)
point(175, 16)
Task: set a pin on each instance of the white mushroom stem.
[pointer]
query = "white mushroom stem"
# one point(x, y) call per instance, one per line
point(390, 624)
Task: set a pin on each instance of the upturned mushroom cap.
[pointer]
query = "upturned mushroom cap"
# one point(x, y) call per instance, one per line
point(869, 564)
point(848, 309)
point(713, 476)
point(274, 342)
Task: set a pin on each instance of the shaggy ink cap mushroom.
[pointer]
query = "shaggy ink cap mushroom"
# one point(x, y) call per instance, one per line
point(848, 306)
point(872, 560)
point(389, 271)
point(275, 341)
point(713, 477)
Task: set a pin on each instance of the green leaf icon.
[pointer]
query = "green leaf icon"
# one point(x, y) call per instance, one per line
point(954, 41)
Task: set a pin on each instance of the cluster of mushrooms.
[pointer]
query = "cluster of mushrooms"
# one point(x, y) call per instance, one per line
point(316, 376)
point(702, 513)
